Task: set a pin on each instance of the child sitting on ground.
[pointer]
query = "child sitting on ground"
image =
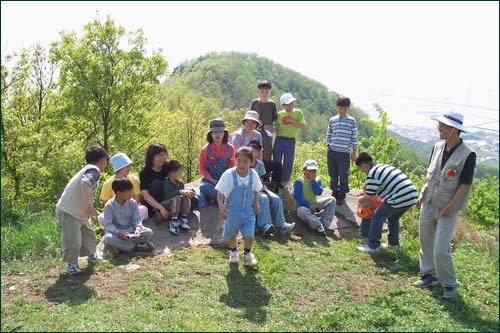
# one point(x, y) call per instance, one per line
point(238, 199)
point(271, 205)
point(305, 192)
point(122, 222)
point(75, 208)
point(177, 198)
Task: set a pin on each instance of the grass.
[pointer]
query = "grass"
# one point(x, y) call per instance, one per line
point(313, 284)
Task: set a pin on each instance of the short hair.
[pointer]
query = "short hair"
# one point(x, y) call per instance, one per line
point(264, 84)
point(225, 139)
point(94, 154)
point(154, 149)
point(121, 185)
point(343, 101)
point(255, 145)
point(173, 166)
point(246, 152)
point(362, 158)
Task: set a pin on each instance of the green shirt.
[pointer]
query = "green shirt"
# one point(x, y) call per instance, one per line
point(289, 131)
point(170, 189)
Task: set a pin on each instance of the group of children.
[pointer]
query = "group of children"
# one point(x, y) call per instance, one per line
point(234, 170)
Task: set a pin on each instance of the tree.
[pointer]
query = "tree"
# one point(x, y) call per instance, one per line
point(107, 86)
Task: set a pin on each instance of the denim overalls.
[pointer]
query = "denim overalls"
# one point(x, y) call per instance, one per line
point(239, 206)
point(216, 170)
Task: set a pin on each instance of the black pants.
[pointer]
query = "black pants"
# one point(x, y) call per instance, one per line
point(275, 168)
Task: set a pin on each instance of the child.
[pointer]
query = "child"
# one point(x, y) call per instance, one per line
point(305, 192)
point(365, 211)
point(268, 114)
point(75, 208)
point(121, 167)
point(238, 199)
point(177, 199)
point(122, 222)
point(341, 137)
point(271, 206)
point(244, 135)
point(288, 125)
point(215, 157)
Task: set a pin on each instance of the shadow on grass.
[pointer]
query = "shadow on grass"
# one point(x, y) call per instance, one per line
point(396, 261)
point(245, 291)
point(71, 289)
point(469, 317)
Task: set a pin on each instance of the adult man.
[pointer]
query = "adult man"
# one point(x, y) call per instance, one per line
point(399, 194)
point(444, 194)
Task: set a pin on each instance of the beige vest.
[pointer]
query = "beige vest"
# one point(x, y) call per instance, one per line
point(71, 200)
point(440, 187)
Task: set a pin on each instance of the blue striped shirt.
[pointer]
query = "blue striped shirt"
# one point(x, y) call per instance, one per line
point(392, 185)
point(342, 134)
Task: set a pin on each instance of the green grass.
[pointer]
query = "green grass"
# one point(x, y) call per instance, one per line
point(307, 285)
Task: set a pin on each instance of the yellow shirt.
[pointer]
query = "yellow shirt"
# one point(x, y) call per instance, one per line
point(107, 192)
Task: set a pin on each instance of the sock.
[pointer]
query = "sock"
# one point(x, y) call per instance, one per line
point(234, 249)
point(247, 251)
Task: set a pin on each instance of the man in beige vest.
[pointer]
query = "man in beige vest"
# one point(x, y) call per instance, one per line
point(444, 194)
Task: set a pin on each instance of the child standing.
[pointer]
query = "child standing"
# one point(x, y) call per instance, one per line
point(75, 208)
point(244, 135)
point(121, 167)
point(122, 222)
point(177, 198)
point(238, 199)
point(268, 114)
point(288, 125)
point(305, 192)
point(341, 138)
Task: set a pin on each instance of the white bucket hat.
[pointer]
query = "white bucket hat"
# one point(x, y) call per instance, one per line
point(252, 115)
point(453, 119)
point(120, 161)
point(287, 98)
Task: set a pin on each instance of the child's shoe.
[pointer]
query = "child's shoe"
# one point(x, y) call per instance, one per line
point(73, 269)
point(287, 228)
point(268, 230)
point(233, 257)
point(250, 260)
point(367, 249)
point(185, 223)
point(321, 230)
point(92, 259)
point(174, 226)
point(145, 247)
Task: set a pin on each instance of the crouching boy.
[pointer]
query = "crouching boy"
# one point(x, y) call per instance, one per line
point(122, 222)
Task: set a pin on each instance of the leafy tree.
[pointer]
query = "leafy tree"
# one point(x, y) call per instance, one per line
point(107, 85)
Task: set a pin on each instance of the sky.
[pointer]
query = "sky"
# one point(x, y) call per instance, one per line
point(413, 58)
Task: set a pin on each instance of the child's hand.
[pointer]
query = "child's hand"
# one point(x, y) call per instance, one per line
point(189, 194)
point(123, 235)
point(286, 120)
point(223, 212)
point(314, 209)
point(256, 208)
point(164, 213)
point(137, 232)
point(91, 211)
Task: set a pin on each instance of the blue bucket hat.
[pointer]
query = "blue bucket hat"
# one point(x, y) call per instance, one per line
point(120, 161)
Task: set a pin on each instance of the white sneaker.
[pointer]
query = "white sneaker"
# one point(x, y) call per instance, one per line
point(233, 257)
point(367, 249)
point(389, 246)
point(250, 260)
point(287, 228)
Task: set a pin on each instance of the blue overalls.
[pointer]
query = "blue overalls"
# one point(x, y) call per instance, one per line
point(216, 170)
point(239, 206)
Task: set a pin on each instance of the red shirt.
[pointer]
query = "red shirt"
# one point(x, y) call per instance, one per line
point(216, 153)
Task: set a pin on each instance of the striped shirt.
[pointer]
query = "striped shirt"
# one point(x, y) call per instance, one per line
point(392, 185)
point(342, 135)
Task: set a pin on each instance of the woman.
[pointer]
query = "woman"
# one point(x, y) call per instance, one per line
point(151, 177)
point(215, 157)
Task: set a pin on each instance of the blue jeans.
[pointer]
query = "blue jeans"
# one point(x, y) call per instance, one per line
point(284, 152)
point(364, 227)
point(271, 209)
point(208, 189)
point(392, 215)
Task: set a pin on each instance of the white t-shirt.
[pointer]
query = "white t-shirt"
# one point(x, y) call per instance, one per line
point(225, 184)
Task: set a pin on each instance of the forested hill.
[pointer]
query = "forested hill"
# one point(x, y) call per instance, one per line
point(231, 78)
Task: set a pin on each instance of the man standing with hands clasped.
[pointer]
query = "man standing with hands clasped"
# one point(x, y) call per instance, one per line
point(444, 194)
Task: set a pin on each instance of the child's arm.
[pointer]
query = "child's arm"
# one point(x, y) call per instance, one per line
point(354, 141)
point(87, 199)
point(136, 219)
point(256, 206)
point(220, 202)
point(297, 195)
point(108, 220)
point(329, 133)
point(317, 187)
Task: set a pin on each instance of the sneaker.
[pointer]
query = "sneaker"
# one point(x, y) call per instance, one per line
point(144, 247)
point(321, 230)
point(185, 223)
point(111, 250)
point(389, 246)
point(449, 292)
point(268, 230)
point(367, 249)
point(426, 281)
point(233, 257)
point(249, 259)
point(174, 227)
point(287, 228)
point(73, 269)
